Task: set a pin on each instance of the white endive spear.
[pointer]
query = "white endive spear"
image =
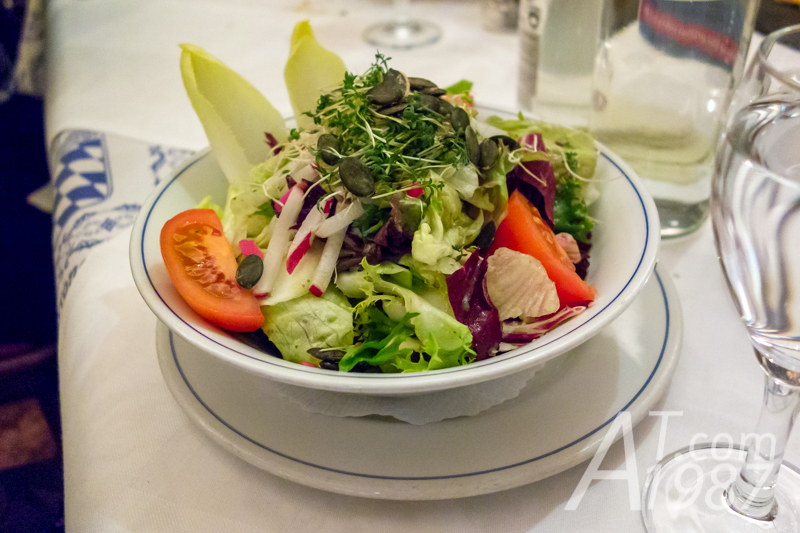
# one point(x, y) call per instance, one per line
point(234, 114)
point(310, 71)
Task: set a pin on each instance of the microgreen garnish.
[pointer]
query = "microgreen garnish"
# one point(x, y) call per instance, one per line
point(399, 150)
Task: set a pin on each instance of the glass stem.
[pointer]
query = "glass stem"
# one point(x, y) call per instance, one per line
point(752, 494)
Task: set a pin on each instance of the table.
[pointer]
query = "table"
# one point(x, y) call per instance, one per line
point(132, 460)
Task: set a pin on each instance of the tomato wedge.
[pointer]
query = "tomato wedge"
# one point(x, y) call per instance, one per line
point(200, 262)
point(524, 230)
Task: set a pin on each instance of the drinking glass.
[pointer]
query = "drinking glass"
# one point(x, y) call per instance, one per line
point(755, 209)
point(402, 32)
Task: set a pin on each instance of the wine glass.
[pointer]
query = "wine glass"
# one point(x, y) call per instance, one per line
point(756, 216)
point(403, 32)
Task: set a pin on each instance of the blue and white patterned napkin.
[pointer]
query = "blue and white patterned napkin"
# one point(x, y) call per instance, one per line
point(100, 182)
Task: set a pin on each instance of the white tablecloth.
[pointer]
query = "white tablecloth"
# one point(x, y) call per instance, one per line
point(132, 460)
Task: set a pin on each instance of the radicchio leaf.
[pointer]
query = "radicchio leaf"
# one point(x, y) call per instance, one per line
point(272, 142)
point(391, 238)
point(539, 188)
point(537, 181)
point(351, 254)
point(466, 290)
point(516, 332)
point(582, 266)
point(404, 219)
point(374, 253)
point(310, 202)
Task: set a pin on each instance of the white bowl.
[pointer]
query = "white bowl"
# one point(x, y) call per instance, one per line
point(625, 243)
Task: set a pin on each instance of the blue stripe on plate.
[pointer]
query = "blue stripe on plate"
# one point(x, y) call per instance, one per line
point(451, 476)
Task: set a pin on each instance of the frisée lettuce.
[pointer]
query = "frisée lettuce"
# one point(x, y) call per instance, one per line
point(438, 335)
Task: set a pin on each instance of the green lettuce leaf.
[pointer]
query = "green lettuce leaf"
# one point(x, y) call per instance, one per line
point(432, 326)
point(492, 196)
point(460, 87)
point(310, 72)
point(382, 341)
point(463, 178)
point(570, 213)
point(248, 208)
point(436, 332)
point(307, 322)
point(208, 203)
point(358, 283)
point(564, 145)
point(428, 283)
point(444, 231)
point(234, 114)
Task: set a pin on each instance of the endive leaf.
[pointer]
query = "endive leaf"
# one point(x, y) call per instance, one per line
point(310, 72)
point(234, 114)
point(301, 29)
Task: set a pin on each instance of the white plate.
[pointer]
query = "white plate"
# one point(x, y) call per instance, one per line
point(625, 242)
point(555, 423)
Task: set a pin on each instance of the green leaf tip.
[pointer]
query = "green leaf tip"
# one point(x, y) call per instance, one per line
point(301, 29)
point(310, 72)
point(234, 114)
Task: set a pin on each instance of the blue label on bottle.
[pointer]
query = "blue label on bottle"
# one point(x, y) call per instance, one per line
point(707, 30)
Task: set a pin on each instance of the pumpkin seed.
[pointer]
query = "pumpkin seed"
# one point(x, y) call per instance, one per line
point(328, 148)
point(434, 91)
point(333, 355)
point(459, 119)
point(489, 153)
point(510, 142)
point(356, 177)
point(473, 148)
point(428, 102)
point(365, 368)
point(417, 84)
point(392, 110)
point(391, 90)
point(445, 108)
point(249, 271)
